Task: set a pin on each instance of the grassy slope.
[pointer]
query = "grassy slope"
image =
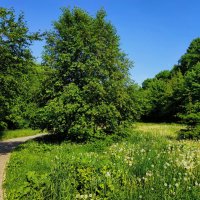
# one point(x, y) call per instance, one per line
point(150, 164)
point(4, 135)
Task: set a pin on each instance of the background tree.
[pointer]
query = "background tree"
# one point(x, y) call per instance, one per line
point(174, 95)
point(191, 114)
point(16, 65)
point(191, 57)
point(89, 93)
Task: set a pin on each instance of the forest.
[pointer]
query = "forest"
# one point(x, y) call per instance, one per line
point(83, 89)
point(108, 137)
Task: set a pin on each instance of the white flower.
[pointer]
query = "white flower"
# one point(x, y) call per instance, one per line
point(142, 150)
point(185, 179)
point(130, 163)
point(108, 174)
point(177, 184)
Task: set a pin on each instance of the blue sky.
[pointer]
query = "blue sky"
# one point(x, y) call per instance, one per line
point(154, 33)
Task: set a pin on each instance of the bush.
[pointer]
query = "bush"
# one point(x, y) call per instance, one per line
point(190, 133)
point(193, 124)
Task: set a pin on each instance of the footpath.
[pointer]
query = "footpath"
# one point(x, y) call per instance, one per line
point(6, 148)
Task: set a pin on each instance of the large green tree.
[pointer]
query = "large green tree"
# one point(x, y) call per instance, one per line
point(90, 93)
point(16, 64)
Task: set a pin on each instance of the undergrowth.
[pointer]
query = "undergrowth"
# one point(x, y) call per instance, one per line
point(146, 165)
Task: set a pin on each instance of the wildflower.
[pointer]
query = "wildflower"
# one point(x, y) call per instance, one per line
point(108, 174)
point(185, 179)
point(139, 179)
point(149, 173)
point(177, 184)
point(130, 163)
point(142, 151)
point(140, 196)
point(165, 184)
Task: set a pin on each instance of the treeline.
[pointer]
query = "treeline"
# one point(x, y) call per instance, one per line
point(174, 95)
point(83, 89)
point(21, 78)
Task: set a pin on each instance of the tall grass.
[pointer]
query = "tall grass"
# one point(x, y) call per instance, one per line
point(147, 165)
point(8, 134)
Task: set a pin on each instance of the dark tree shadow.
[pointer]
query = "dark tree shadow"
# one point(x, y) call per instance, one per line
point(52, 139)
point(7, 147)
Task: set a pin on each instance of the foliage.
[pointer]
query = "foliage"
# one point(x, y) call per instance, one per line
point(144, 166)
point(192, 119)
point(164, 97)
point(191, 116)
point(172, 94)
point(15, 68)
point(191, 57)
point(90, 93)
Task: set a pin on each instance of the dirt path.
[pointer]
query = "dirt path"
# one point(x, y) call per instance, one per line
point(5, 149)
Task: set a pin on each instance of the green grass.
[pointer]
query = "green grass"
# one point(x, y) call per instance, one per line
point(150, 164)
point(9, 134)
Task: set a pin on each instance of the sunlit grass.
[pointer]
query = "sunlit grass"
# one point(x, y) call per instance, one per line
point(169, 131)
point(9, 134)
point(147, 165)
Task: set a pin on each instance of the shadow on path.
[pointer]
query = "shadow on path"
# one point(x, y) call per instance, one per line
point(7, 147)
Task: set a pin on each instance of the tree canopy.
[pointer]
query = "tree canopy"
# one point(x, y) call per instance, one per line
point(174, 95)
point(90, 93)
point(15, 67)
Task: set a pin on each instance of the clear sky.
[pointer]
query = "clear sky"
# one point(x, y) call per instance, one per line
point(154, 33)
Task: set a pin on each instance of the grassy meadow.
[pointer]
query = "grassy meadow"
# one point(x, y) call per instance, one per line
point(150, 164)
point(9, 134)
